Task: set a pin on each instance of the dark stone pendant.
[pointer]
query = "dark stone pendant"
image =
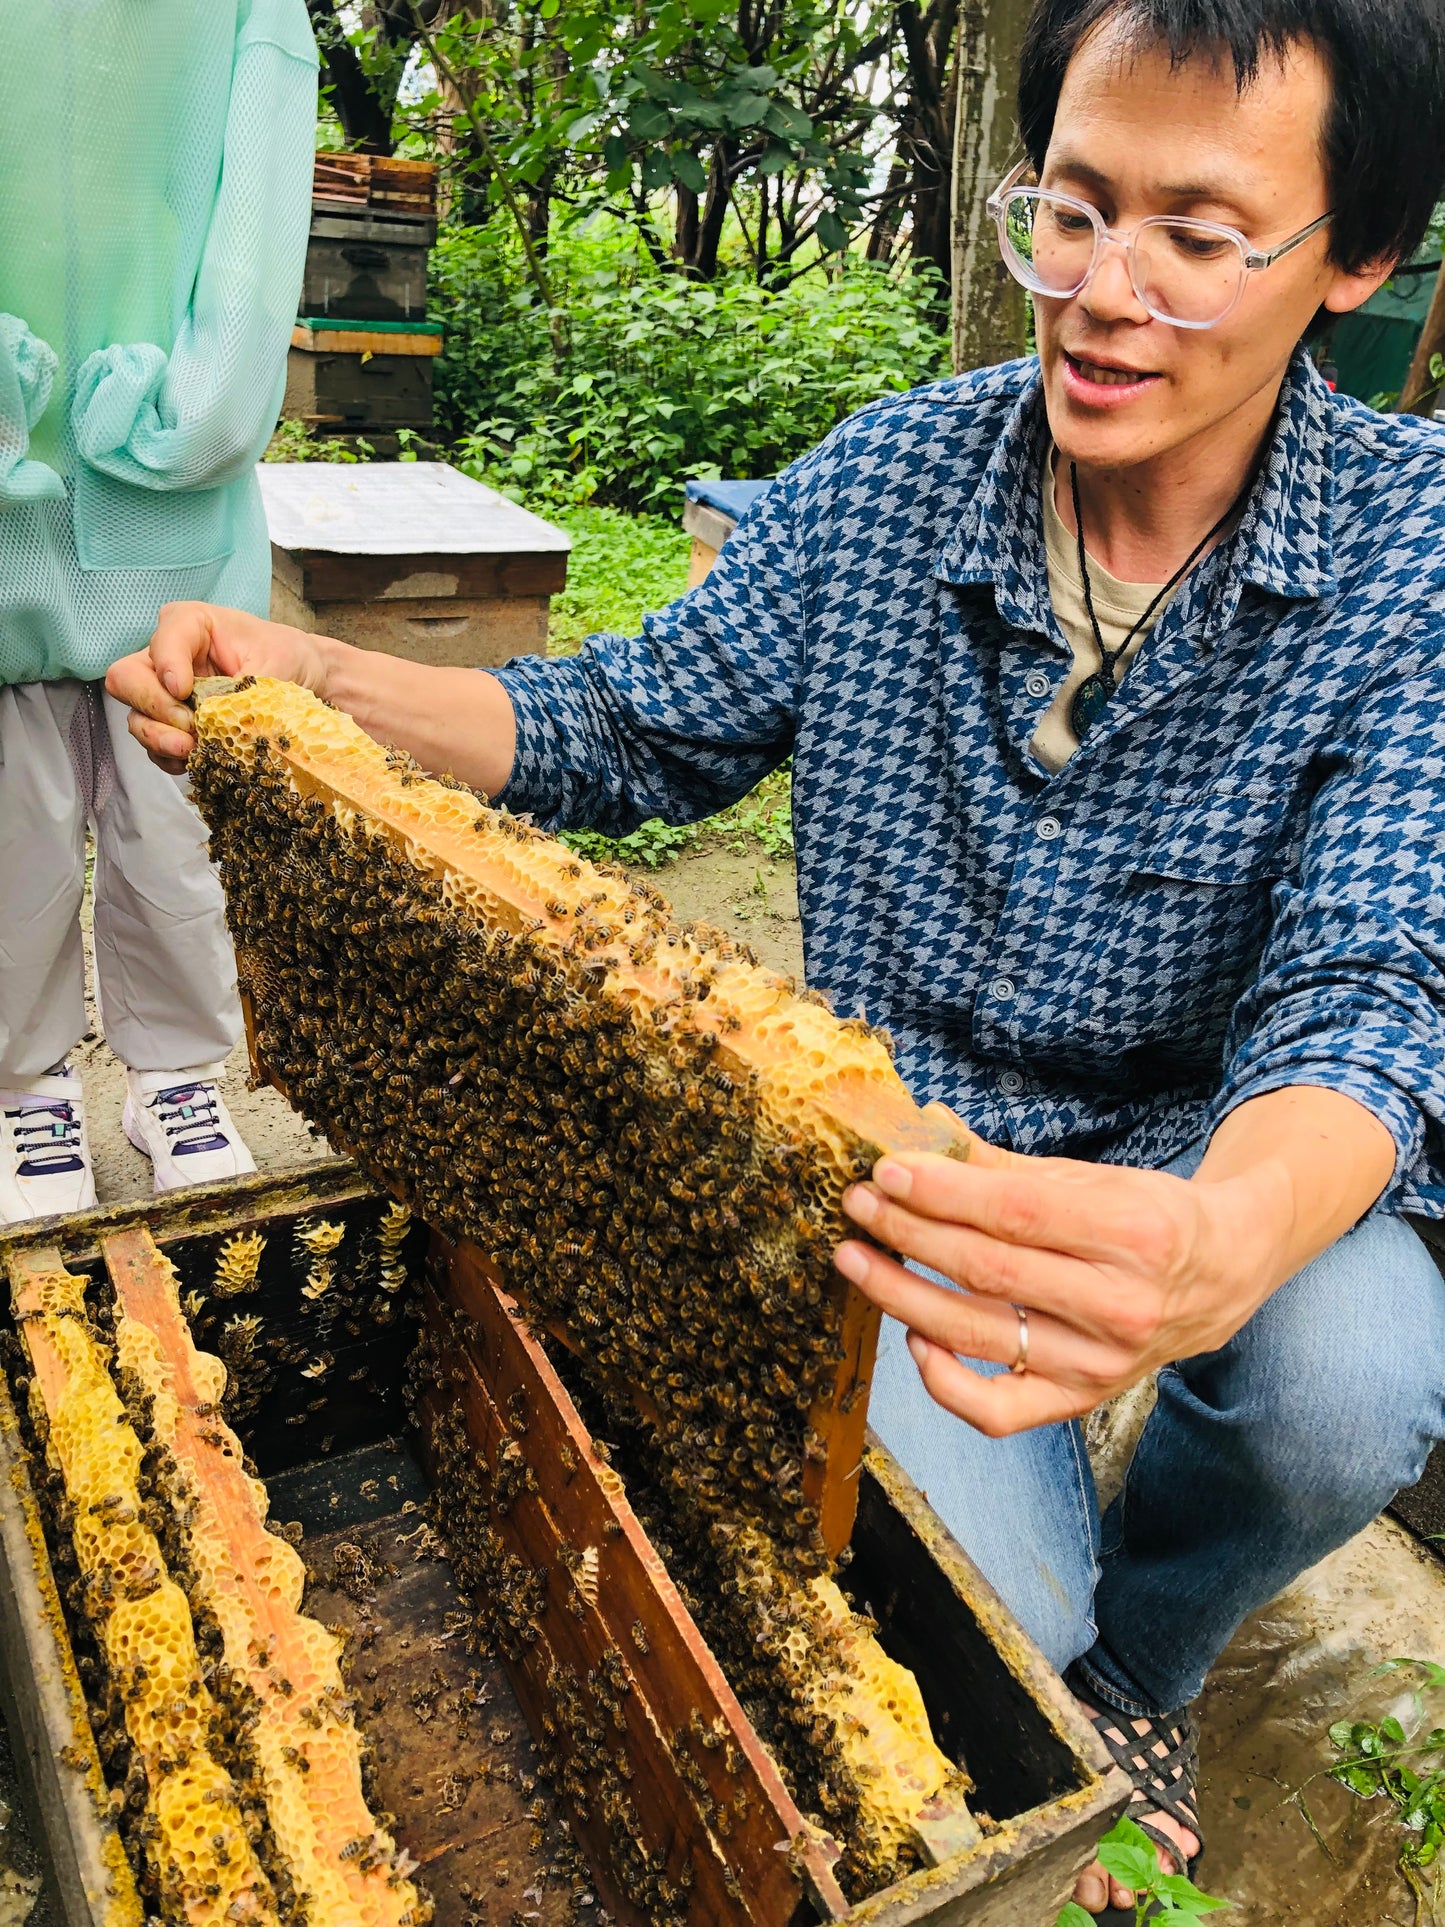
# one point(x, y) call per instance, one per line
point(1090, 700)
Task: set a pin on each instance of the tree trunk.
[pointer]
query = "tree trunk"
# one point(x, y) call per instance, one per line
point(1421, 393)
point(926, 135)
point(883, 235)
point(684, 240)
point(990, 315)
point(365, 116)
point(714, 213)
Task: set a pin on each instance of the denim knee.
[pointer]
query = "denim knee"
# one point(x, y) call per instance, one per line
point(1335, 1389)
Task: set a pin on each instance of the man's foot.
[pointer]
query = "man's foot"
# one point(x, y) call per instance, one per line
point(44, 1154)
point(1160, 1756)
point(181, 1123)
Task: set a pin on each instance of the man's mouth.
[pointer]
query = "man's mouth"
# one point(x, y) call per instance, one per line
point(1105, 374)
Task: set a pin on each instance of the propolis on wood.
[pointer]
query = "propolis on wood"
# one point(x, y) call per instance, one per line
point(649, 1132)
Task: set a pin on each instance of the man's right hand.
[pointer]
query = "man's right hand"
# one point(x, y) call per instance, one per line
point(195, 639)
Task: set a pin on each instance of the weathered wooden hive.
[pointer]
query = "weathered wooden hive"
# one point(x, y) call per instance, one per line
point(763, 1684)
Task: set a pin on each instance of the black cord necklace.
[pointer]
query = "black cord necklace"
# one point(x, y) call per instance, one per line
point(1091, 698)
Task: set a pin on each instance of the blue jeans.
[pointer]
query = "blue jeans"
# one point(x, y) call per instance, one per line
point(1258, 1460)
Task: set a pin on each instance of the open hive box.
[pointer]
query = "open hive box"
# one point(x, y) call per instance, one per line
point(764, 1684)
point(456, 1647)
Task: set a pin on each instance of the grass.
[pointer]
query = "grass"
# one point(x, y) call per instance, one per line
point(621, 568)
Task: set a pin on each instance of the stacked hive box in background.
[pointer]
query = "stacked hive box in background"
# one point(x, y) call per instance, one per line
point(362, 351)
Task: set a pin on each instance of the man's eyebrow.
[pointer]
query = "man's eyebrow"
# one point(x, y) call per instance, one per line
point(1212, 191)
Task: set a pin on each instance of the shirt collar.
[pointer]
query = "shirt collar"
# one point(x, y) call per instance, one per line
point(1284, 543)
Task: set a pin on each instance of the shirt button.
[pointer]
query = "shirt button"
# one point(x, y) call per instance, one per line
point(1048, 827)
point(1010, 1083)
point(1003, 988)
point(1036, 683)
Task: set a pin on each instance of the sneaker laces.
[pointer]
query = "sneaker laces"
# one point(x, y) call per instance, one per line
point(47, 1134)
point(190, 1120)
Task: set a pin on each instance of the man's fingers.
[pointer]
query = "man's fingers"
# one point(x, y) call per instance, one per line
point(997, 1407)
point(976, 1327)
point(1093, 1211)
point(1048, 1280)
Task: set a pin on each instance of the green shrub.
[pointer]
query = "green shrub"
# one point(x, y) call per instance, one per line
point(638, 378)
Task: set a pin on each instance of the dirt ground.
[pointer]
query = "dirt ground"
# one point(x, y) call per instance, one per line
point(1301, 1663)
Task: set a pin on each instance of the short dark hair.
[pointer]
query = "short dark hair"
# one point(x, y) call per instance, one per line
point(1384, 137)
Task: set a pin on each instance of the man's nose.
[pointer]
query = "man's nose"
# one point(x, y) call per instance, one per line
point(1109, 293)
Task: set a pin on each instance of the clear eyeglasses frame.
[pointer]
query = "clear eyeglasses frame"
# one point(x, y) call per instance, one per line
point(1189, 273)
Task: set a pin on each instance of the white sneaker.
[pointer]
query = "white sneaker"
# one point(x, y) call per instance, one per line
point(44, 1152)
point(178, 1119)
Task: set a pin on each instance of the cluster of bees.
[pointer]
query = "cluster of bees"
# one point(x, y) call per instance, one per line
point(631, 1118)
point(531, 1053)
point(138, 1559)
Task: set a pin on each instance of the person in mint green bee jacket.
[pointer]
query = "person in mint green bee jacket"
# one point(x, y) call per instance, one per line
point(155, 191)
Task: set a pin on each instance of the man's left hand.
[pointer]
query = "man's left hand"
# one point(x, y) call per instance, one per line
point(1120, 1271)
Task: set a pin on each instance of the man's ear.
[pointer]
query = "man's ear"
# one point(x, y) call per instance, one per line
point(1349, 291)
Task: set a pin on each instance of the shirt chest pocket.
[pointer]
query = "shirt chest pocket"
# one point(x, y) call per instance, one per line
point(1230, 837)
point(1180, 934)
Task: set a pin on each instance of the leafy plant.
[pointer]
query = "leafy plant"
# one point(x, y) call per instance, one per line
point(649, 846)
point(663, 378)
point(621, 568)
point(297, 441)
point(1380, 1759)
point(1131, 1858)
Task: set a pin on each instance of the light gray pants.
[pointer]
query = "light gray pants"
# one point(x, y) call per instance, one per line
point(165, 969)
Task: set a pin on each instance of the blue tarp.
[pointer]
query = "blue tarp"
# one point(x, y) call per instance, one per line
point(728, 498)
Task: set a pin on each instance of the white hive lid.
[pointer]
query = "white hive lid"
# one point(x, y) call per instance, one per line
point(396, 508)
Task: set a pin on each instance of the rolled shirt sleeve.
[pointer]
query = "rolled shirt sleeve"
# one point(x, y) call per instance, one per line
point(1350, 992)
point(27, 375)
point(682, 720)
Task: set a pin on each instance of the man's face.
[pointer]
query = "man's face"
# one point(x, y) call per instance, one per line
point(1135, 137)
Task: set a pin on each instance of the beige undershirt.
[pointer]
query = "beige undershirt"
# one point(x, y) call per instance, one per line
point(1118, 605)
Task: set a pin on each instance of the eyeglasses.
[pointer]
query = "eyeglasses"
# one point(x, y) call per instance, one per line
point(1188, 273)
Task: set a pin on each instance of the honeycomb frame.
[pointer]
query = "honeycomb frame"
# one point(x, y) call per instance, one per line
point(650, 1132)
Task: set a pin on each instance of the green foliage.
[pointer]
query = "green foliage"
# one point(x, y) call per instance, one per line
point(621, 568)
point(761, 821)
point(1131, 1857)
point(600, 106)
point(1379, 1759)
point(648, 847)
point(662, 378)
point(296, 441)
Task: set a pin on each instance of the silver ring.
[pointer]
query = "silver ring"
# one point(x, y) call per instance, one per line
point(1021, 1363)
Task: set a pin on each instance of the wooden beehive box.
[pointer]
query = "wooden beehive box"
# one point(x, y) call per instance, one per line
point(457, 1773)
point(365, 267)
point(410, 557)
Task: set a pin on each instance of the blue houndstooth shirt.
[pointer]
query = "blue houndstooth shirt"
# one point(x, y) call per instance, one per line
point(1237, 883)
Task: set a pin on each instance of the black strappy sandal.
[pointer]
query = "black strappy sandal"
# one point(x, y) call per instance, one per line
point(1163, 1765)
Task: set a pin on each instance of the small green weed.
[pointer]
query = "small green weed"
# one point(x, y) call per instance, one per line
point(648, 847)
point(1131, 1857)
point(1380, 1759)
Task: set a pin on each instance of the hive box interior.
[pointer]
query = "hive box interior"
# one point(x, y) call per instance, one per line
point(455, 1762)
